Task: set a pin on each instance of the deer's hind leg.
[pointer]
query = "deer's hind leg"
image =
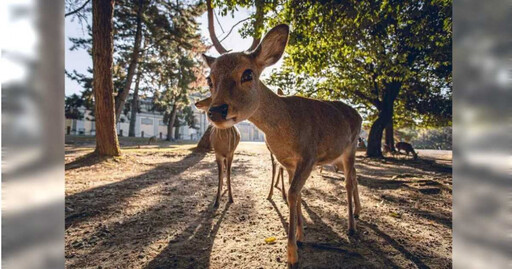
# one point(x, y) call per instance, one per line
point(271, 192)
point(220, 168)
point(348, 160)
point(281, 174)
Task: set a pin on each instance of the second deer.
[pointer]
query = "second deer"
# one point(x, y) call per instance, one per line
point(276, 167)
point(224, 142)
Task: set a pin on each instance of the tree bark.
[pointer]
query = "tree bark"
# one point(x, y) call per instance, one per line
point(170, 124)
point(204, 142)
point(102, 42)
point(385, 116)
point(176, 132)
point(123, 94)
point(135, 107)
point(389, 135)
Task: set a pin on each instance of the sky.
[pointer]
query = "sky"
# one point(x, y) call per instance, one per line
point(79, 59)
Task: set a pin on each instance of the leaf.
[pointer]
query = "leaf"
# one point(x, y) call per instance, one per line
point(270, 240)
point(395, 215)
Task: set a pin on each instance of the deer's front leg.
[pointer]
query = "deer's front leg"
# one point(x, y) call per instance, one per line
point(228, 169)
point(220, 169)
point(299, 179)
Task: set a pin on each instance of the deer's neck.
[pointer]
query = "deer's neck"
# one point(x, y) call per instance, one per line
point(271, 117)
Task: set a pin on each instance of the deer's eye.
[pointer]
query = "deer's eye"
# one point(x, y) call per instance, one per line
point(247, 75)
point(209, 81)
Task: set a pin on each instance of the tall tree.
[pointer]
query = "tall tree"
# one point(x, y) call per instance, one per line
point(376, 54)
point(134, 106)
point(120, 99)
point(102, 50)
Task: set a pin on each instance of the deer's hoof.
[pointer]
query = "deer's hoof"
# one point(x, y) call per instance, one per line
point(230, 200)
point(356, 216)
point(216, 204)
point(293, 266)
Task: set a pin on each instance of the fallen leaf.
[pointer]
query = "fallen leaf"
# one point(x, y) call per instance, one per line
point(270, 240)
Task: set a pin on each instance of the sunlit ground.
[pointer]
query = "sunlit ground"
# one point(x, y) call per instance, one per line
point(152, 208)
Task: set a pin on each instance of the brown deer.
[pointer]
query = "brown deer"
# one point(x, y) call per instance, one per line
point(300, 132)
point(407, 148)
point(224, 142)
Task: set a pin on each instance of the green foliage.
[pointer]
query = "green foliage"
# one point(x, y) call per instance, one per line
point(72, 104)
point(351, 50)
point(167, 64)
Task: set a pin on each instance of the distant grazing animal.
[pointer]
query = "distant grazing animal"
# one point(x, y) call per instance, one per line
point(224, 142)
point(152, 140)
point(407, 148)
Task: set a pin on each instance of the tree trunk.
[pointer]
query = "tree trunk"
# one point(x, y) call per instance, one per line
point(389, 135)
point(135, 107)
point(102, 47)
point(384, 118)
point(123, 94)
point(170, 124)
point(176, 132)
point(204, 142)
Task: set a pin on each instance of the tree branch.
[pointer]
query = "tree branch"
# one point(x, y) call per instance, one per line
point(233, 28)
point(211, 28)
point(375, 101)
point(78, 9)
point(218, 22)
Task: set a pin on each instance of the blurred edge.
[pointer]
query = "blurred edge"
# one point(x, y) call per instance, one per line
point(33, 138)
point(33, 134)
point(482, 134)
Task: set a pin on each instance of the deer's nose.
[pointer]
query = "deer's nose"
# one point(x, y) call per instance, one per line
point(218, 113)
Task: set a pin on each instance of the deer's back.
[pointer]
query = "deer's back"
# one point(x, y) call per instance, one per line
point(404, 146)
point(324, 128)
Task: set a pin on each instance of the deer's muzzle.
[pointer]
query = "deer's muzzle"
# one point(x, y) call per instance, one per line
point(218, 113)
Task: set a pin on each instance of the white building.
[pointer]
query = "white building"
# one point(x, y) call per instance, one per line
point(151, 123)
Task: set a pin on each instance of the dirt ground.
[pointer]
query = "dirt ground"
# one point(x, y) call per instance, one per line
point(153, 208)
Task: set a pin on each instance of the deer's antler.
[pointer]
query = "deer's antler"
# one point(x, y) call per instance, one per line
point(211, 28)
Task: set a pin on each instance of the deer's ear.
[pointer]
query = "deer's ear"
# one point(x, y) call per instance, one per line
point(271, 48)
point(204, 104)
point(208, 59)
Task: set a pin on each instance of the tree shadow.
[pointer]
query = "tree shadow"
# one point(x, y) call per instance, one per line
point(428, 165)
point(385, 184)
point(88, 159)
point(410, 256)
point(92, 202)
point(183, 217)
point(283, 220)
point(192, 248)
point(322, 254)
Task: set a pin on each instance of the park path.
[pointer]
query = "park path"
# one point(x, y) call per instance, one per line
point(152, 208)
